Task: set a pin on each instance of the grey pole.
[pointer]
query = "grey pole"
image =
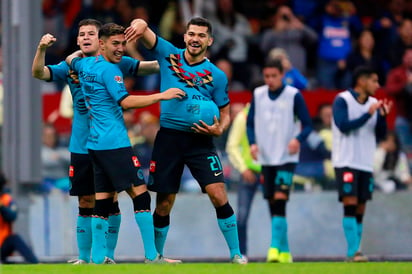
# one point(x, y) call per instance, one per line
point(22, 25)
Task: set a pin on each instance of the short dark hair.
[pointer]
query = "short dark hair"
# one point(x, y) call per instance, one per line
point(200, 21)
point(88, 22)
point(274, 63)
point(361, 71)
point(110, 29)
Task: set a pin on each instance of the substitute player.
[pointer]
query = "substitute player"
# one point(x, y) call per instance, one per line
point(277, 123)
point(358, 122)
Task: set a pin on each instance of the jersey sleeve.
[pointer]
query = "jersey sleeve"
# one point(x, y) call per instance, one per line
point(129, 66)
point(77, 63)
point(113, 80)
point(58, 72)
point(341, 116)
point(220, 93)
point(163, 48)
point(301, 111)
point(250, 123)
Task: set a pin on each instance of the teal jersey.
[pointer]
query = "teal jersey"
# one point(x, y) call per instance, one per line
point(206, 87)
point(80, 122)
point(80, 126)
point(103, 90)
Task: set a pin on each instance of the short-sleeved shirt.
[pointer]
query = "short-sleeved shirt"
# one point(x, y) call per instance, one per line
point(103, 89)
point(80, 123)
point(205, 84)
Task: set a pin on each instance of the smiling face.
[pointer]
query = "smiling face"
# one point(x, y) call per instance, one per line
point(88, 40)
point(197, 40)
point(113, 47)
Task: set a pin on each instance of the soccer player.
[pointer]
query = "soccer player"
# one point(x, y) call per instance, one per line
point(81, 169)
point(188, 127)
point(116, 167)
point(358, 122)
point(238, 150)
point(275, 135)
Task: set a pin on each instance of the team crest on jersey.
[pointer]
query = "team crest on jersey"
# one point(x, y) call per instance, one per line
point(197, 80)
point(152, 167)
point(193, 108)
point(348, 177)
point(118, 79)
point(136, 161)
point(140, 174)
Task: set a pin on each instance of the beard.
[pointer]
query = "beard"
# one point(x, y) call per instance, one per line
point(197, 52)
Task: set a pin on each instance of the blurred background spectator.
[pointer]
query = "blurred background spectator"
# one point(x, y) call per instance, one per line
point(391, 170)
point(292, 76)
point(227, 67)
point(231, 33)
point(314, 169)
point(337, 27)
point(385, 27)
point(55, 161)
point(399, 87)
point(403, 41)
point(364, 54)
point(290, 34)
point(147, 126)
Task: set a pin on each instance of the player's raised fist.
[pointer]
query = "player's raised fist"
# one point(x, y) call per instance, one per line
point(46, 41)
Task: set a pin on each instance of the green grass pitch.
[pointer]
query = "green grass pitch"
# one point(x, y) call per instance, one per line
point(216, 268)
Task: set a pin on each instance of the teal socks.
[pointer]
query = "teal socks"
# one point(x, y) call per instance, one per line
point(284, 242)
point(351, 234)
point(113, 234)
point(100, 227)
point(84, 237)
point(228, 226)
point(144, 220)
point(279, 233)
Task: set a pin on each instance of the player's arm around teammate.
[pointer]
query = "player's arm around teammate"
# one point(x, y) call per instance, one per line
point(206, 86)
